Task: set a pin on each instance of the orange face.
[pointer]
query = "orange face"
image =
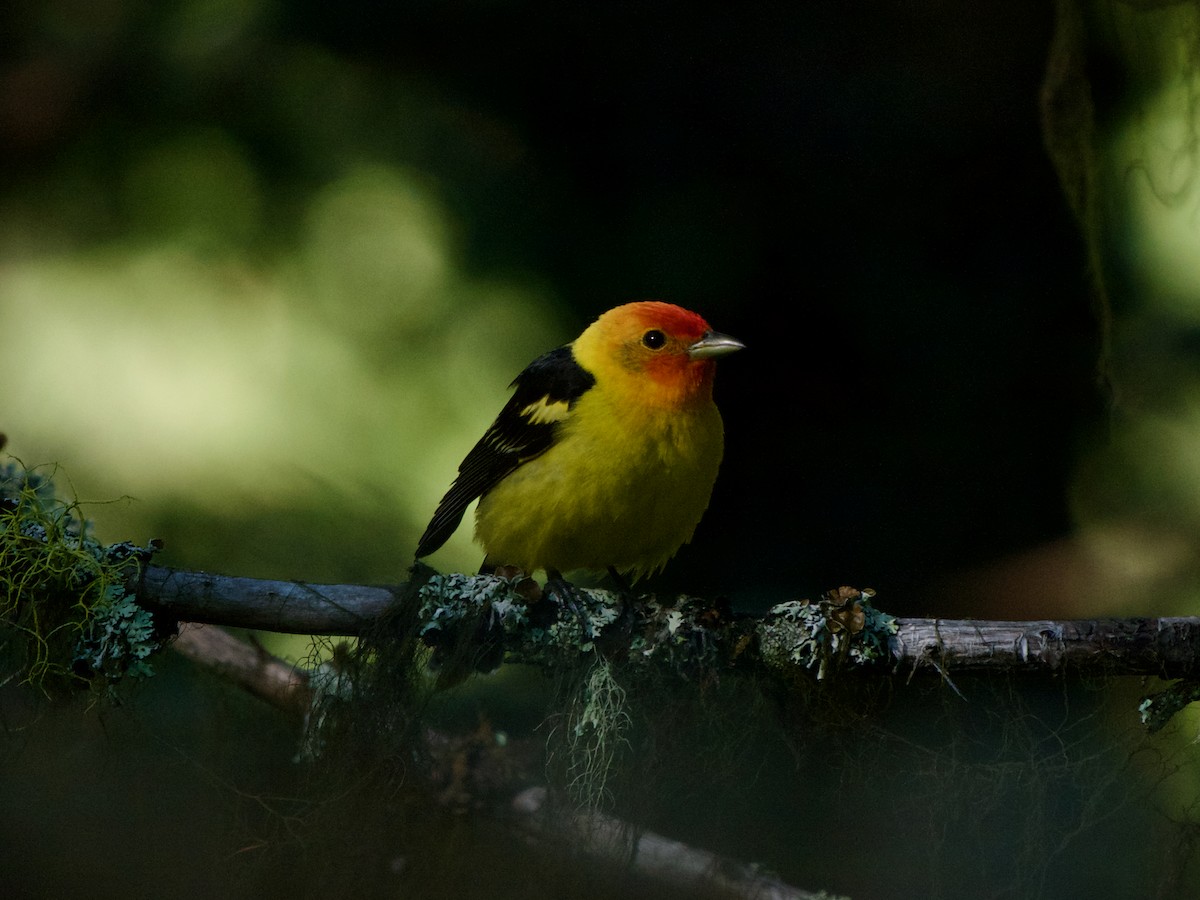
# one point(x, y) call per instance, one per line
point(659, 345)
point(665, 353)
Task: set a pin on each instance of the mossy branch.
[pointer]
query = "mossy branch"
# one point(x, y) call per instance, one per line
point(68, 613)
point(76, 609)
point(1167, 647)
point(797, 642)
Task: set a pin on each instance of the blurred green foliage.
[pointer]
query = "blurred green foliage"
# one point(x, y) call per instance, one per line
point(1135, 494)
point(260, 318)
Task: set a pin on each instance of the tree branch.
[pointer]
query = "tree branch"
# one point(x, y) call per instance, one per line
point(247, 665)
point(1165, 646)
point(286, 606)
point(602, 837)
point(1168, 647)
point(791, 639)
point(651, 855)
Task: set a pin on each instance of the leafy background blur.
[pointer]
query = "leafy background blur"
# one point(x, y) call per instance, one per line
point(266, 269)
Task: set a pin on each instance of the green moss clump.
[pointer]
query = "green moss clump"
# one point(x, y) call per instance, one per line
point(67, 614)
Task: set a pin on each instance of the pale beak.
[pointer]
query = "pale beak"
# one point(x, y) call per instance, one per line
point(714, 344)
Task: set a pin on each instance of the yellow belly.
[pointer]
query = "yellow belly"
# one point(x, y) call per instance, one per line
point(627, 497)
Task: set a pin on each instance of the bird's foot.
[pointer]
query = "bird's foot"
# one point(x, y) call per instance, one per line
point(571, 599)
point(629, 604)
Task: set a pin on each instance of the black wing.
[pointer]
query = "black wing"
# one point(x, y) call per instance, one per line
point(545, 392)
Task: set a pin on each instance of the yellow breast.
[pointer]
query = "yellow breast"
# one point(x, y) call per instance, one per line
point(621, 487)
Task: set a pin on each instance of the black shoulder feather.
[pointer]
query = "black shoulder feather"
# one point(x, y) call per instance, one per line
point(545, 392)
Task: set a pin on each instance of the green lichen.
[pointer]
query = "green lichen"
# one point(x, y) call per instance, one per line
point(66, 614)
point(514, 613)
point(595, 726)
point(842, 629)
point(449, 601)
point(494, 615)
point(575, 630)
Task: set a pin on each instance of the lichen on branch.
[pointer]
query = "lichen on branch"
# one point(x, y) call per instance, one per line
point(68, 615)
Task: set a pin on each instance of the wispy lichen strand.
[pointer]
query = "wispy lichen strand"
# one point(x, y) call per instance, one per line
point(66, 613)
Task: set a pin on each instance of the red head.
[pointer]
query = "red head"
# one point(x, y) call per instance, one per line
point(666, 353)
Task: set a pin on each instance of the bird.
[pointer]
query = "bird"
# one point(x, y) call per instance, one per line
point(605, 455)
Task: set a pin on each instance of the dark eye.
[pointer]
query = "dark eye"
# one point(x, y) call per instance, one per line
point(654, 339)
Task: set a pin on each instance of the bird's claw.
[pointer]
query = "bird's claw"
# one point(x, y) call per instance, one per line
point(569, 598)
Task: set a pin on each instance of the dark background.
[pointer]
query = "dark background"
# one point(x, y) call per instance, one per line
point(859, 192)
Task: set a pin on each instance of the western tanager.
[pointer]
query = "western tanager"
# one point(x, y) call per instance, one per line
point(606, 453)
